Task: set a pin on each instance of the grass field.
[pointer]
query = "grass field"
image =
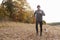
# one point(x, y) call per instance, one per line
point(24, 31)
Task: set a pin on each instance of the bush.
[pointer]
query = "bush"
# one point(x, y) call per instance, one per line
point(44, 22)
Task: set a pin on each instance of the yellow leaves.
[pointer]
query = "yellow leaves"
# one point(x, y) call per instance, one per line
point(20, 11)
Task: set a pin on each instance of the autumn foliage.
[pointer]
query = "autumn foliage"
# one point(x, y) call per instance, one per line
point(17, 10)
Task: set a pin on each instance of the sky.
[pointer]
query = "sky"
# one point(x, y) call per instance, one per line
point(0, 1)
point(50, 7)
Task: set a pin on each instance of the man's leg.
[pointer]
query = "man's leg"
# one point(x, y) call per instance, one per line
point(41, 28)
point(37, 27)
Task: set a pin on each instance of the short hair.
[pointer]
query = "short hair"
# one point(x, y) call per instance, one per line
point(38, 6)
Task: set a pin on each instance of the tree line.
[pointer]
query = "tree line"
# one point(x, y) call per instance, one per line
point(16, 10)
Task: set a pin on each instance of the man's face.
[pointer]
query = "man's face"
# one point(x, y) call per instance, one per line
point(38, 8)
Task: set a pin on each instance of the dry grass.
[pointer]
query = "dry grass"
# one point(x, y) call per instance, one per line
point(21, 31)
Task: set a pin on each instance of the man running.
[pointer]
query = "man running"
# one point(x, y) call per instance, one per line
point(38, 15)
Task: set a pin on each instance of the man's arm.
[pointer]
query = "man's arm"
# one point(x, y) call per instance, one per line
point(34, 13)
point(43, 13)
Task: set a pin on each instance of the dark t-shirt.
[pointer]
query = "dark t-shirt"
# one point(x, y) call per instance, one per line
point(38, 15)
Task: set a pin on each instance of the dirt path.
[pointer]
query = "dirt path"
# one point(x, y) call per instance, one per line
point(21, 31)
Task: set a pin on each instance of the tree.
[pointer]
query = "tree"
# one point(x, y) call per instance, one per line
point(8, 5)
point(22, 10)
point(18, 10)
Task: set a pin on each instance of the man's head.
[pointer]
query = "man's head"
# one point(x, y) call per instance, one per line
point(38, 7)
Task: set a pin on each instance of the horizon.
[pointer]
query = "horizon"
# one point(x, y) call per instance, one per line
point(48, 6)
